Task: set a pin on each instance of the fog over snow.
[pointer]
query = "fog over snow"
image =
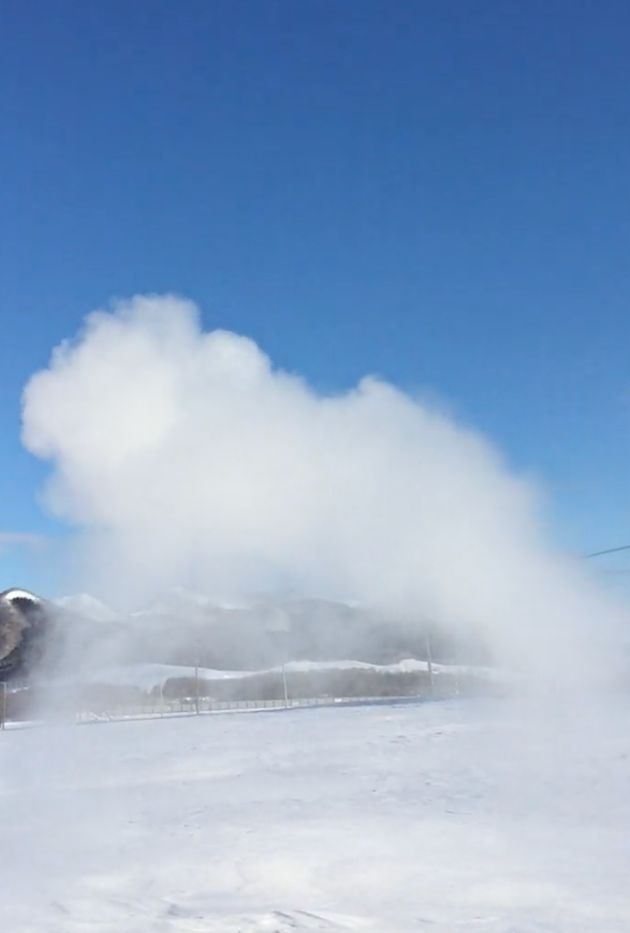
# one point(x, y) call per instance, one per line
point(185, 458)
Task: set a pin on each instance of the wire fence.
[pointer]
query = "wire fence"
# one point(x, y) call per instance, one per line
point(191, 706)
point(188, 708)
point(20, 707)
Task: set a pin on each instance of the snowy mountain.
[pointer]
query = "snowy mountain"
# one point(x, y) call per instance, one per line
point(188, 629)
point(86, 606)
point(150, 677)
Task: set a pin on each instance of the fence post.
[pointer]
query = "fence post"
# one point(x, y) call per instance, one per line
point(197, 685)
point(429, 662)
point(284, 685)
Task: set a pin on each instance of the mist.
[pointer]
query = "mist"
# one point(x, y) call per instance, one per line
point(185, 458)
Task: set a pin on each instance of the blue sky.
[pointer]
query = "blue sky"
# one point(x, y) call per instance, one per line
point(432, 191)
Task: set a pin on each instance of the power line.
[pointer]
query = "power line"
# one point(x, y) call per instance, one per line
point(610, 550)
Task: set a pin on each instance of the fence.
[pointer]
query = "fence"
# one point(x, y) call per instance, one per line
point(154, 711)
point(191, 706)
point(28, 705)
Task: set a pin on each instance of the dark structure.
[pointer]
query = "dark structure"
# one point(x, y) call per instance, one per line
point(24, 626)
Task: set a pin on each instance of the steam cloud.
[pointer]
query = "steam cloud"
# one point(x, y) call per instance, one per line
point(187, 459)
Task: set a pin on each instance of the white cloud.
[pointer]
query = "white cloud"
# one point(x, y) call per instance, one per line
point(188, 459)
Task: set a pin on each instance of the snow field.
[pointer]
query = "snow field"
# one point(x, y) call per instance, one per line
point(482, 816)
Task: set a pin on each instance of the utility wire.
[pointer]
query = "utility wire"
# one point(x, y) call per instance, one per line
point(610, 550)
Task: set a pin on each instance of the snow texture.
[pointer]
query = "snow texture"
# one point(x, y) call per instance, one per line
point(150, 676)
point(472, 816)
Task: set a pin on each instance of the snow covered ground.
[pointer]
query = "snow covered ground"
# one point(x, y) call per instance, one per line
point(148, 676)
point(482, 816)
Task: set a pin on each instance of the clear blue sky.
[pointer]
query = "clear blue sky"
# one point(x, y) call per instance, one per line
point(438, 192)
